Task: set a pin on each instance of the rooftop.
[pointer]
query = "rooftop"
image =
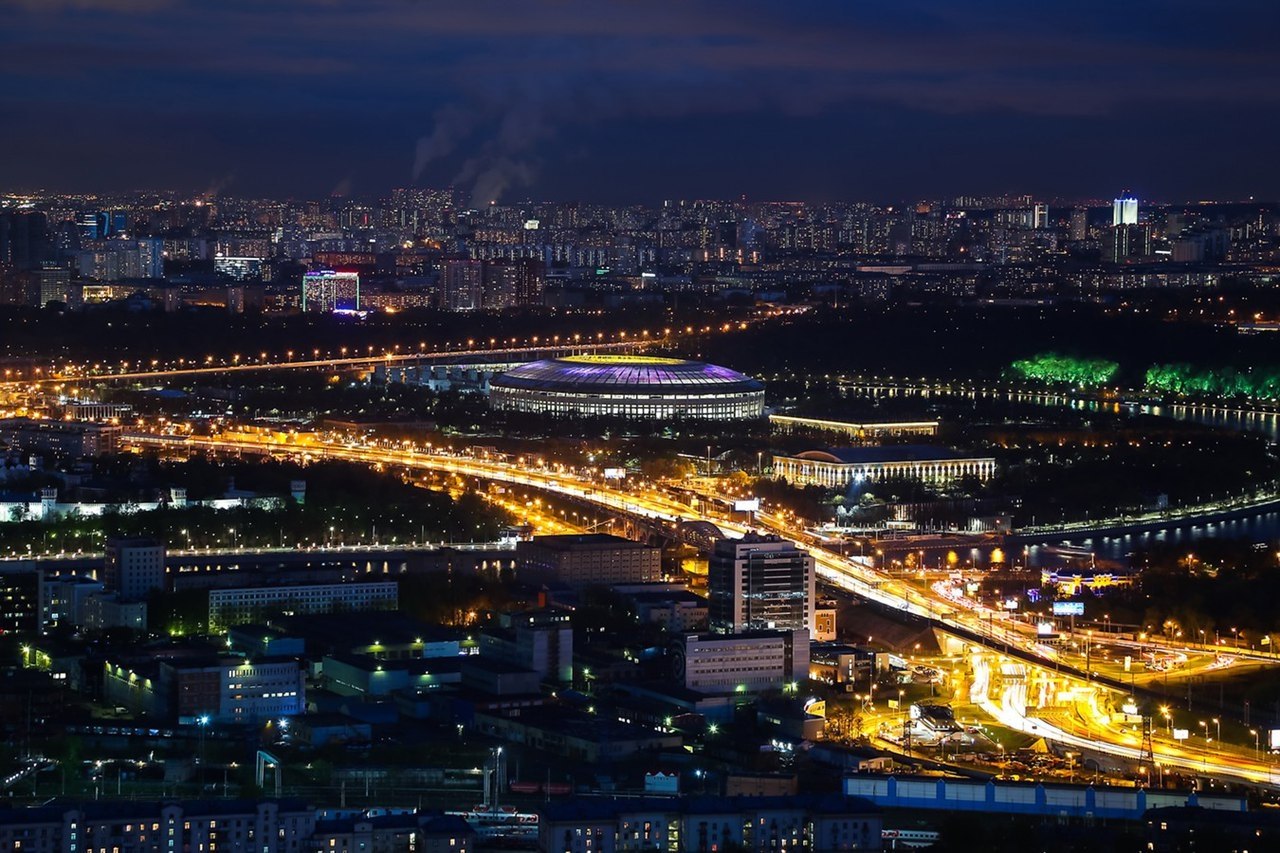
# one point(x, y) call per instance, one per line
point(885, 453)
point(585, 541)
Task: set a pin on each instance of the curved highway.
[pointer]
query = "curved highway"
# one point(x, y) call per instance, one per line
point(856, 575)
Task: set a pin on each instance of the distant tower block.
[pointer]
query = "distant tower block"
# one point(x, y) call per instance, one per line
point(48, 503)
point(177, 497)
point(298, 488)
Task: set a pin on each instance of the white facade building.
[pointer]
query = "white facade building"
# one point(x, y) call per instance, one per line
point(236, 606)
point(743, 663)
point(840, 468)
point(1124, 211)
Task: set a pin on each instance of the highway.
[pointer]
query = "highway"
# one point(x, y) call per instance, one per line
point(528, 353)
point(962, 617)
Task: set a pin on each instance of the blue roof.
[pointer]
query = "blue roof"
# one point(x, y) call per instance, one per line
point(885, 453)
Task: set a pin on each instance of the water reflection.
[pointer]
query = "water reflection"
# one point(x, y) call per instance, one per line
point(1263, 527)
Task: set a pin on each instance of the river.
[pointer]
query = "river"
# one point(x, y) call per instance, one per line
point(1262, 527)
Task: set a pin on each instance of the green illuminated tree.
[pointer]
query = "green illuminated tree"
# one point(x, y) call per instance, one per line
point(1055, 368)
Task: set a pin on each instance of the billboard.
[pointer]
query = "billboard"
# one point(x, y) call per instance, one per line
point(1274, 739)
point(615, 473)
point(1010, 604)
point(1183, 734)
point(1044, 629)
point(748, 505)
point(1068, 608)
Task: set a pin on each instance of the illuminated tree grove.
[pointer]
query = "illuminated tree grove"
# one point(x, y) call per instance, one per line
point(1260, 383)
point(1052, 367)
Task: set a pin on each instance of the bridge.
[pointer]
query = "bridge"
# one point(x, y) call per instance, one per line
point(1017, 643)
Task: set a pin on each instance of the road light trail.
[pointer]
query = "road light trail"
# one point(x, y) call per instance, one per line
point(851, 574)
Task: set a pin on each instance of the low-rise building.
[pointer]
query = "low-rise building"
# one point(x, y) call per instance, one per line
point(537, 640)
point(133, 567)
point(666, 604)
point(268, 826)
point(840, 468)
point(64, 437)
point(368, 833)
point(580, 736)
point(237, 606)
point(586, 559)
point(742, 663)
point(225, 688)
point(709, 824)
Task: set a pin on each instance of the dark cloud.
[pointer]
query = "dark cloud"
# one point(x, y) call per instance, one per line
point(499, 96)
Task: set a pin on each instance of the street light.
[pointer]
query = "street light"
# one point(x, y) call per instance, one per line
point(1257, 750)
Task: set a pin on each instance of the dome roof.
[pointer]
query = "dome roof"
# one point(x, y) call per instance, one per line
point(626, 374)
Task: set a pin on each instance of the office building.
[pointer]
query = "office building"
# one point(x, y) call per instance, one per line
point(133, 567)
point(742, 663)
point(1124, 211)
point(586, 559)
point(760, 583)
point(1040, 215)
point(237, 606)
point(327, 291)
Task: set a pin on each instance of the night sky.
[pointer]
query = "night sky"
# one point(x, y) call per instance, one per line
point(602, 100)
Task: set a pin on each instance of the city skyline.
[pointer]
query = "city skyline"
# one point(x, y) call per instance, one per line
point(615, 102)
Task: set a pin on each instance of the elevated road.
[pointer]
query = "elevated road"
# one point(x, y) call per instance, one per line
point(528, 353)
point(966, 621)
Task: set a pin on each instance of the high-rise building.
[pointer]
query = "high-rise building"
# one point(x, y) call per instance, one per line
point(463, 288)
point(24, 239)
point(514, 283)
point(1127, 242)
point(760, 583)
point(1080, 223)
point(1040, 214)
point(328, 291)
point(52, 284)
point(133, 567)
point(1124, 211)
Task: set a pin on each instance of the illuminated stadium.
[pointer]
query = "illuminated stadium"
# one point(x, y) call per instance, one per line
point(628, 386)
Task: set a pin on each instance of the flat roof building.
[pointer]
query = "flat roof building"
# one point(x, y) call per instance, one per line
point(760, 583)
point(839, 468)
point(742, 663)
point(587, 559)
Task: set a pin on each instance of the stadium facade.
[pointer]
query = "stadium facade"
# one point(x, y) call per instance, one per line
point(628, 386)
